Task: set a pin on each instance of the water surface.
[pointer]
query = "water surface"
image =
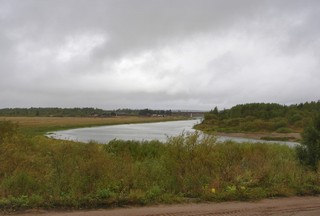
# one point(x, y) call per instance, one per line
point(143, 132)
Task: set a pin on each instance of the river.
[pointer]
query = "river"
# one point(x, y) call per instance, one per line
point(141, 132)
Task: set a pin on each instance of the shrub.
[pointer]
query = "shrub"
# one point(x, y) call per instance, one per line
point(20, 183)
point(309, 152)
point(105, 193)
point(7, 130)
point(41, 172)
point(154, 193)
point(190, 162)
point(283, 130)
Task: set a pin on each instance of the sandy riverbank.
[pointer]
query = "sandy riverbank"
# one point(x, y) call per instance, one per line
point(293, 136)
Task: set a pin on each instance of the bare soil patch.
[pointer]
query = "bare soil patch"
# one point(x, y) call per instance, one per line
point(297, 206)
point(295, 136)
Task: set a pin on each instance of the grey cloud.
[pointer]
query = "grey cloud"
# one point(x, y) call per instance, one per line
point(131, 24)
point(201, 53)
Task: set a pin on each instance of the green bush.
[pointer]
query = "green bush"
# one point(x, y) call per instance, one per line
point(7, 130)
point(309, 152)
point(154, 193)
point(283, 130)
point(19, 183)
point(105, 193)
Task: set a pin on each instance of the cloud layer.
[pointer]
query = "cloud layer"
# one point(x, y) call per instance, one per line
point(177, 54)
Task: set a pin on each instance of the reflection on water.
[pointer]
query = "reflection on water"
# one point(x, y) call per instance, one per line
point(146, 131)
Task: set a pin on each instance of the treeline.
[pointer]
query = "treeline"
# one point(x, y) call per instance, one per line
point(257, 117)
point(51, 111)
point(154, 112)
point(79, 112)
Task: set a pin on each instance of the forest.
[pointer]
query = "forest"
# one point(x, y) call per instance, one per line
point(78, 112)
point(260, 117)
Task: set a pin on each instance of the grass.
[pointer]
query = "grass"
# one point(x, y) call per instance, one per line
point(38, 172)
point(249, 125)
point(40, 125)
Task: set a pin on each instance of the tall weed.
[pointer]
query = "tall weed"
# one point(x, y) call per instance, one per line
point(39, 171)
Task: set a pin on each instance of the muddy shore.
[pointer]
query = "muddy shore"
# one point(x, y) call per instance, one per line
point(261, 136)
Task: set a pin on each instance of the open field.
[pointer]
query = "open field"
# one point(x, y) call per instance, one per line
point(41, 125)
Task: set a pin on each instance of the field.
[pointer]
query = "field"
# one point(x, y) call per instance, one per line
point(38, 172)
point(40, 125)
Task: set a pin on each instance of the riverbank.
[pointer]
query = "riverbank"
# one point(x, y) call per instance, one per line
point(33, 126)
point(291, 137)
point(161, 131)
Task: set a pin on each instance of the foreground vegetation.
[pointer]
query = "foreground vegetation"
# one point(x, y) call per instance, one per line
point(39, 172)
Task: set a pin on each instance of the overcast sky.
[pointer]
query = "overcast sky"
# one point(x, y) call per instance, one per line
point(158, 54)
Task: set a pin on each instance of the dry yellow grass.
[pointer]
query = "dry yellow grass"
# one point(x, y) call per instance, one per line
point(36, 125)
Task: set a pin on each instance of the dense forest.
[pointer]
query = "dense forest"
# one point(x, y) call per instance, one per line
point(260, 117)
point(79, 112)
point(50, 111)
